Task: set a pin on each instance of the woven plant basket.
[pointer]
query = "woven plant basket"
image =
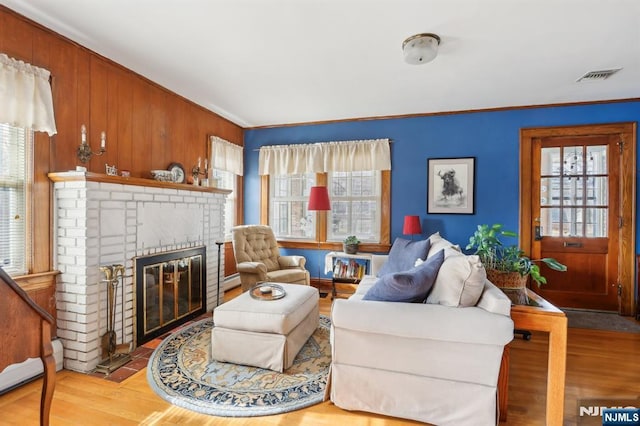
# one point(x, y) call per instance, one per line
point(512, 284)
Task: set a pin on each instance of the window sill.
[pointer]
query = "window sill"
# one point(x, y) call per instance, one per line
point(37, 281)
point(311, 245)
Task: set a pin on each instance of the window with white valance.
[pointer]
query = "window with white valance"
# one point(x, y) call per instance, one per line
point(227, 166)
point(323, 157)
point(358, 176)
point(25, 96)
point(26, 105)
point(226, 156)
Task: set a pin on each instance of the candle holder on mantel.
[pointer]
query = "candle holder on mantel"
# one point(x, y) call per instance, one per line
point(196, 171)
point(117, 355)
point(84, 152)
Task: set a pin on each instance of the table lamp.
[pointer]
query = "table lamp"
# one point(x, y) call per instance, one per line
point(412, 226)
point(319, 201)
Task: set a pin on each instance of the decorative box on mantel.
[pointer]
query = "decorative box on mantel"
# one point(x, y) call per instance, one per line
point(103, 220)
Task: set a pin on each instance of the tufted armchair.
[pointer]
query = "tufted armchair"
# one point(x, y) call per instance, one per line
point(258, 258)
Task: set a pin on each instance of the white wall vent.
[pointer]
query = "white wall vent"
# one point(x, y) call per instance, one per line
point(598, 75)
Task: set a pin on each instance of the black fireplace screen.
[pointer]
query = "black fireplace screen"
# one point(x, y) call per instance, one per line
point(170, 290)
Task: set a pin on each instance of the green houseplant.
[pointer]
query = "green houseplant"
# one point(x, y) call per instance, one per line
point(350, 244)
point(507, 266)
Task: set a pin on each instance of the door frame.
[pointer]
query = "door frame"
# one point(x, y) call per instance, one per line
point(627, 231)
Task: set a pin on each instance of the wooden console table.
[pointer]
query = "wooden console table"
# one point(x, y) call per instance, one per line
point(545, 317)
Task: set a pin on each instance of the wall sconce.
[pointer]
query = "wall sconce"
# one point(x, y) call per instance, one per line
point(196, 171)
point(84, 150)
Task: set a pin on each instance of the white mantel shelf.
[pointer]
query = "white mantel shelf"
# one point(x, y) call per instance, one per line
point(73, 175)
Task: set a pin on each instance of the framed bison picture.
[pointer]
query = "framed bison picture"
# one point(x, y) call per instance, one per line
point(450, 183)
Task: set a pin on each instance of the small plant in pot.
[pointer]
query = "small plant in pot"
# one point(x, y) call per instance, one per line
point(350, 244)
point(507, 266)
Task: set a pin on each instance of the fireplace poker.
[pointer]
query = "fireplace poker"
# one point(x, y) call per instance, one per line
point(219, 244)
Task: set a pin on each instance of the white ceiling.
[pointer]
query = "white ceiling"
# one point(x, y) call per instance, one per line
point(260, 62)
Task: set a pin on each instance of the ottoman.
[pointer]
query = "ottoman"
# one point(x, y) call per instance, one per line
point(265, 333)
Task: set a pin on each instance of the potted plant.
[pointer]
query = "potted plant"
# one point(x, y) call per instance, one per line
point(507, 266)
point(350, 244)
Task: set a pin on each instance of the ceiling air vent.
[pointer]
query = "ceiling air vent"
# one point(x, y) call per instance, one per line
point(598, 75)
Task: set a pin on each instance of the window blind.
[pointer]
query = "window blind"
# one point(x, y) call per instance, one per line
point(227, 180)
point(15, 151)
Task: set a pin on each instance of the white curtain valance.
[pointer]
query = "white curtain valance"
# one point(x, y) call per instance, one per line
point(345, 156)
point(25, 96)
point(226, 155)
point(290, 159)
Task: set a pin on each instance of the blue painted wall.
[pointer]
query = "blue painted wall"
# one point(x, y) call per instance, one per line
point(491, 137)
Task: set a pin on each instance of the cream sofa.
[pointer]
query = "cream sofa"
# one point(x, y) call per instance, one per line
point(422, 361)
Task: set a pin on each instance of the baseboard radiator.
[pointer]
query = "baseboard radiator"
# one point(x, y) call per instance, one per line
point(18, 374)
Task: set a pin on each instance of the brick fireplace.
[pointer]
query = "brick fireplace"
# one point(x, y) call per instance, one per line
point(101, 220)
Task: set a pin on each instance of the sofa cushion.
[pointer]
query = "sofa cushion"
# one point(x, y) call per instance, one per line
point(408, 286)
point(438, 243)
point(403, 255)
point(494, 300)
point(460, 280)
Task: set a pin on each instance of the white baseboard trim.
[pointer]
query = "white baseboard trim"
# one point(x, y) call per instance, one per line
point(17, 374)
point(232, 281)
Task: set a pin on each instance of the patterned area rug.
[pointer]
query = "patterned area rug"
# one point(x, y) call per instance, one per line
point(181, 371)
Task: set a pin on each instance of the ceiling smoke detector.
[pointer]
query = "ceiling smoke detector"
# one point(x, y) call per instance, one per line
point(598, 75)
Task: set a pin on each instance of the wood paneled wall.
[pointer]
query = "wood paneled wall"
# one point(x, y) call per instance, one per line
point(147, 126)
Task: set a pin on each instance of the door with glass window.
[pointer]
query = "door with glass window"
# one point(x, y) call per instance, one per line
point(576, 220)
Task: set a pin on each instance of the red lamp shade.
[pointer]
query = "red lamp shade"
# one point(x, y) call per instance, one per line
point(319, 199)
point(412, 225)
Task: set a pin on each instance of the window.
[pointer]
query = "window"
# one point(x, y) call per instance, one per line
point(227, 180)
point(227, 168)
point(288, 216)
point(355, 206)
point(15, 159)
point(358, 176)
point(574, 182)
point(359, 206)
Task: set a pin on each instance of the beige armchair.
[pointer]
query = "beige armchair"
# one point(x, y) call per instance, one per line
point(258, 258)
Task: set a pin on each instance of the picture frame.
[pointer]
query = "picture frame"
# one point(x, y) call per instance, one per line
point(451, 185)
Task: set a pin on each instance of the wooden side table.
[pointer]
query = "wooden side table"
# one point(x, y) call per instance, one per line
point(548, 318)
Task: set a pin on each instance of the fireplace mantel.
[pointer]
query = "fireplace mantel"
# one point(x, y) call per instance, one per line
point(72, 176)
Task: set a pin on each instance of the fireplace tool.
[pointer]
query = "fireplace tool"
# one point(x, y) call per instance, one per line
point(117, 355)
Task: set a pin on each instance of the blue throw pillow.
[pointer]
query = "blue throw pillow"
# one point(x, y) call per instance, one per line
point(408, 286)
point(403, 255)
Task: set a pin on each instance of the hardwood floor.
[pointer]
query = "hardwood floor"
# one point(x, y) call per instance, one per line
point(600, 364)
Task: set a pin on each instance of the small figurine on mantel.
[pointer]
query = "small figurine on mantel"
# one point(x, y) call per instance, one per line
point(111, 170)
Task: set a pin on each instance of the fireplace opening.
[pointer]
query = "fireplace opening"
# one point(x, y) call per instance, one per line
point(170, 290)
